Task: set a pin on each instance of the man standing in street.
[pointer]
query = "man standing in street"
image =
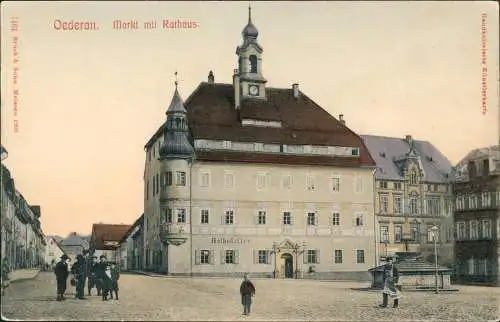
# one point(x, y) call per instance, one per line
point(78, 269)
point(62, 272)
point(90, 274)
point(391, 279)
point(247, 290)
point(99, 271)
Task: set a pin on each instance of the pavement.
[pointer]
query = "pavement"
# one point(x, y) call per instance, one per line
point(143, 298)
point(23, 274)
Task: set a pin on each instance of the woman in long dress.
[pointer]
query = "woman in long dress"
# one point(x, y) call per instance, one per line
point(391, 279)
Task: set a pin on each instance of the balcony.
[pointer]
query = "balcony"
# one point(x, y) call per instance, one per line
point(173, 234)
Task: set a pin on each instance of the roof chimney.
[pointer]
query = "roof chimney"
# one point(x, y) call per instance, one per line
point(341, 118)
point(211, 77)
point(295, 88)
point(409, 139)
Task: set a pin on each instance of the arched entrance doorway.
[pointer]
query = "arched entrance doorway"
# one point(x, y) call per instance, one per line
point(288, 259)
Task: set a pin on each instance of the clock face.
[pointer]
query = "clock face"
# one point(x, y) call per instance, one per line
point(254, 90)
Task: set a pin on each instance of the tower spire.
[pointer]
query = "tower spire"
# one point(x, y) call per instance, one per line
point(249, 13)
point(176, 82)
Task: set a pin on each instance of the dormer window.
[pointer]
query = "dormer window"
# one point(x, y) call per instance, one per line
point(413, 177)
point(253, 64)
point(177, 122)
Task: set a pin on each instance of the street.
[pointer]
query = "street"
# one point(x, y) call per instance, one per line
point(165, 298)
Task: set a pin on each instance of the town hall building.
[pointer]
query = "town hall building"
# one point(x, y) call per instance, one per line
point(244, 177)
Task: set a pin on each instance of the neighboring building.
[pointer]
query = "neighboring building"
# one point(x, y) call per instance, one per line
point(105, 240)
point(73, 245)
point(53, 250)
point(126, 246)
point(477, 191)
point(412, 194)
point(22, 237)
point(249, 178)
point(138, 246)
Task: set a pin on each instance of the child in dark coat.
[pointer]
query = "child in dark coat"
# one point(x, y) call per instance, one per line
point(115, 276)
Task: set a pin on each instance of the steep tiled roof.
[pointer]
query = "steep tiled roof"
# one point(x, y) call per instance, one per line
point(385, 150)
point(131, 229)
point(211, 115)
point(102, 233)
point(73, 240)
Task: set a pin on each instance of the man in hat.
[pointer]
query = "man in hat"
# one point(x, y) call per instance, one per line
point(247, 290)
point(61, 271)
point(91, 274)
point(391, 279)
point(78, 269)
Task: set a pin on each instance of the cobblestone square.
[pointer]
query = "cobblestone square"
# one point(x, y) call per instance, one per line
point(164, 298)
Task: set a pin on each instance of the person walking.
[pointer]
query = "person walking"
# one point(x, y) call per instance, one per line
point(391, 279)
point(247, 291)
point(61, 271)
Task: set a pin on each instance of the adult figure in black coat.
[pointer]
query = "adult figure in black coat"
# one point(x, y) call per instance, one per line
point(62, 272)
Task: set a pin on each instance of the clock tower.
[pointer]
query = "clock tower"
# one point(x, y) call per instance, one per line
point(249, 82)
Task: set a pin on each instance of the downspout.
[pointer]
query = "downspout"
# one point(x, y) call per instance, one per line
point(191, 161)
point(376, 259)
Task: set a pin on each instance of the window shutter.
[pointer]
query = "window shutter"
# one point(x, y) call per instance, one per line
point(316, 223)
point(255, 256)
point(292, 218)
point(236, 256)
point(197, 258)
point(211, 257)
point(234, 218)
point(304, 256)
point(268, 257)
point(222, 220)
point(317, 256)
point(223, 256)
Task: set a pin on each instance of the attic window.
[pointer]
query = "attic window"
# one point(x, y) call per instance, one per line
point(429, 158)
point(355, 151)
point(382, 154)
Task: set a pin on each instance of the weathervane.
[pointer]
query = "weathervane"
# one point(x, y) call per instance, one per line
point(176, 81)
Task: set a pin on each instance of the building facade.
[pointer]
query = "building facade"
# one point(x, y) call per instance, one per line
point(105, 240)
point(126, 246)
point(23, 241)
point(477, 191)
point(53, 251)
point(248, 178)
point(73, 245)
point(413, 193)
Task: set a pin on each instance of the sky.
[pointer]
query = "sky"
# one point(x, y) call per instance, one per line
point(88, 101)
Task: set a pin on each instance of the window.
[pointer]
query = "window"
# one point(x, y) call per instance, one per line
point(258, 146)
point(181, 215)
point(312, 256)
point(415, 234)
point(226, 144)
point(205, 180)
point(355, 151)
point(310, 184)
point(384, 203)
point(398, 204)
point(287, 218)
point(358, 184)
point(336, 184)
point(461, 233)
point(229, 257)
point(229, 217)
point(397, 185)
point(473, 229)
point(180, 178)
point(338, 256)
point(414, 206)
point(413, 177)
point(261, 218)
point(336, 219)
point(311, 219)
point(460, 202)
point(436, 187)
point(472, 201)
point(157, 183)
point(263, 256)
point(485, 200)
point(360, 256)
point(229, 180)
point(168, 178)
point(51, 253)
point(253, 63)
point(287, 181)
point(384, 233)
point(433, 206)
point(147, 190)
point(154, 186)
point(486, 229)
point(204, 216)
point(470, 266)
point(359, 220)
point(383, 184)
point(398, 233)
point(204, 256)
point(261, 181)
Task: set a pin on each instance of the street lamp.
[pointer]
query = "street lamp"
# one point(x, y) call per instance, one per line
point(434, 231)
